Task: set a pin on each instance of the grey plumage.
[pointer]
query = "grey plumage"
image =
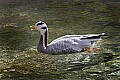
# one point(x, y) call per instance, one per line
point(65, 44)
point(71, 43)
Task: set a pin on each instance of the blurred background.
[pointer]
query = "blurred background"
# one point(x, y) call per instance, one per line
point(19, 59)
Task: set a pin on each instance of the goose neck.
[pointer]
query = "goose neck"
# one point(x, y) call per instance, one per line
point(43, 42)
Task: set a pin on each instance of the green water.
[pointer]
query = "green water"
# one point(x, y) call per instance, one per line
point(19, 59)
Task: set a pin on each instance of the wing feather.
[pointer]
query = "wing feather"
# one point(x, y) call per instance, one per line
point(72, 43)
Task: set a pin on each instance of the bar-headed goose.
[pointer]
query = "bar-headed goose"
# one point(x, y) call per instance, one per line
point(65, 44)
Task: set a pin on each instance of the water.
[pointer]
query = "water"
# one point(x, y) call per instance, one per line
point(19, 59)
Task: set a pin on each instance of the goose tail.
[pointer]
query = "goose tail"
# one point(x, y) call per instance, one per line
point(103, 34)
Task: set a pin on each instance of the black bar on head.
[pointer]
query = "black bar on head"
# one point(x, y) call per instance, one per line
point(43, 27)
point(40, 23)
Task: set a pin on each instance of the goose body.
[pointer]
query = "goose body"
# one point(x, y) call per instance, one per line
point(65, 44)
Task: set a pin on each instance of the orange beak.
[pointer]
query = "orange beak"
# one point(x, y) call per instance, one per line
point(32, 27)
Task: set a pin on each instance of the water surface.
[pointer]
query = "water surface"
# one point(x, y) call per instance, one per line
point(19, 58)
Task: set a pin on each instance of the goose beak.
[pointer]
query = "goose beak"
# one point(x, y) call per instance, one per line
point(32, 27)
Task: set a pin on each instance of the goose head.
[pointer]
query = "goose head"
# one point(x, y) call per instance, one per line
point(40, 26)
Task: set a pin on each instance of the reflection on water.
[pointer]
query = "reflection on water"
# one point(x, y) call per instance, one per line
point(18, 56)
